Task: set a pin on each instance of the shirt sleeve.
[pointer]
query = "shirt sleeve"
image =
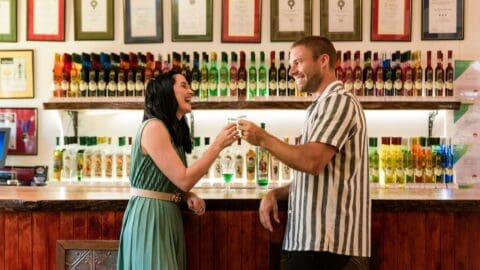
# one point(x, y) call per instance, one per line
point(334, 121)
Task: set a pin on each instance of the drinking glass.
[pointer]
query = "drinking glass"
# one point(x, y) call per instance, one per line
point(228, 170)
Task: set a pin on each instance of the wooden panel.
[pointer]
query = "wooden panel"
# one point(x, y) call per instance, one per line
point(118, 223)
point(11, 241)
point(39, 240)
point(390, 242)
point(191, 225)
point(262, 238)
point(25, 240)
point(2, 240)
point(462, 239)
point(66, 226)
point(206, 244)
point(108, 225)
point(377, 240)
point(52, 230)
point(94, 226)
point(234, 240)
point(447, 243)
point(80, 226)
point(411, 240)
point(220, 249)
point(473, 227)
point(248, 243)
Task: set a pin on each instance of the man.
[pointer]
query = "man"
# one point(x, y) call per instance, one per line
point(328, 222)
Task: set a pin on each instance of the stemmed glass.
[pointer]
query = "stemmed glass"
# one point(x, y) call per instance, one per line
point(228, 170)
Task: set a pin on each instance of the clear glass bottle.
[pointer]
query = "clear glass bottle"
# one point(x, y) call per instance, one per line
point(263, 159)
point(373, 160)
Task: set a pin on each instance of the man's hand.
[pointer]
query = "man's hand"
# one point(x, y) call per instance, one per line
point(268, 207)
point(250, 132)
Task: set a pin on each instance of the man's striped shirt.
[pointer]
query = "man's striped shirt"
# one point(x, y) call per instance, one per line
point(331, 211)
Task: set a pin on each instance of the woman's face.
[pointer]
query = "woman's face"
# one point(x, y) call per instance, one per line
point(184, 94)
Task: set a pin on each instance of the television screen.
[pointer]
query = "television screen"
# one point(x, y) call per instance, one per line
point(4, 137)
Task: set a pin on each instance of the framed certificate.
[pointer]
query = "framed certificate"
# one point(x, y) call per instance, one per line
point(8, 20)
point(46, 20)
point(192, 20)
point(16, 69)
point(391, 20)
point(143, 21)
point(290, 20)
point(443, 19)
point(94, 20)
point(241, 20)
point(341, 20)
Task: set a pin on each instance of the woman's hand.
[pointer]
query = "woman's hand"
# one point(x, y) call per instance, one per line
point(195, 203)
point(227, 136)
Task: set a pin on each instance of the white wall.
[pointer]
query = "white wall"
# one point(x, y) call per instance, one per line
point(283, 123)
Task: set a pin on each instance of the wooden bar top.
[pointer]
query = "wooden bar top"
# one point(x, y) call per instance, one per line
point(115, 197)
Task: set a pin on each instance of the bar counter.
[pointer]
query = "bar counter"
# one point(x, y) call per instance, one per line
point(411, 228)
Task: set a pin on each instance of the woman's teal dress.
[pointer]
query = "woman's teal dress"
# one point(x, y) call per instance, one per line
point(152, 234)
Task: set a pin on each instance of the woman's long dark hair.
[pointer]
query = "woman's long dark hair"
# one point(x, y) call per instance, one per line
point(161, 103)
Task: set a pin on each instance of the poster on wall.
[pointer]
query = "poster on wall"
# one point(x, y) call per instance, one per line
point(23, 124)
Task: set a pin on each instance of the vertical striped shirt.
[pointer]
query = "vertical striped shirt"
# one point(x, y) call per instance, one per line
point(331, 211)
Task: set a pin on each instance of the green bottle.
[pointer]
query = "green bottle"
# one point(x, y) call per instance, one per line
point(262, 76)
point(204, 77)
point(213, 76)
point(252, 77)
point(263, 159)
point(408, 160)
point(223, 85)
point(373, 159)
point(195, 76)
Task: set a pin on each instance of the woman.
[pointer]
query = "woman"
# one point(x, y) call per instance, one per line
point(152, 230)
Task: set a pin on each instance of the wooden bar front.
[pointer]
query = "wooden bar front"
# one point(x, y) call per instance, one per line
point(424, 229)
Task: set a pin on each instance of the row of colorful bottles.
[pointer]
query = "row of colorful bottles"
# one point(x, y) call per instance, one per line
point(92, 159)
point(401, 74)
point(417, 160)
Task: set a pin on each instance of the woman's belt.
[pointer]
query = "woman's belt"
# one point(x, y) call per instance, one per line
point(164, 196)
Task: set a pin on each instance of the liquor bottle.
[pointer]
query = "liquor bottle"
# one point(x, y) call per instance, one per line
point(131, 72)
point(373, 160)
point(407, 160)
point(176, 61)
point(437, 161)
point(282, 76)
point(338, 67)
point(108, 160)
point(67, 68)
point(397, 75)
point(128, 157)
point(239, 162)
point(68, 159)
point(80, 158)
point(429, 76)
point(213, 76)
point(97, 158)
point(272, 76)
point(448, 164)
point(206, 143)
point(158, 66)
point(242, 77)
point(387, 78)
point(57, 161)
point(122, 75)
point(378, 76)
point(112, 75)
point(204, 77)
point(140, 75)
point(167, 66)
point(386, 162)
point(428, 173)
point(368, 75)
point(419, 159)
point(84, 75)
point(439, 75)
point(263, 158)
point(57, 75)
point(398, 161)
point(223, 85)
point(274, 169)
point(251, 164)
point(233, 83)
point(357, 75)
point(418, 74)
point(291, 87)
point(186, 71)
point(262, 76)
point(196, 76)
point(149, 69)
point(347, 72)
point(103, 74)
point(252, 77)
point(286, 171)
point(93, 75)
point(75, 75)
point(407, 74)
point(119, 159)
point(449, 76)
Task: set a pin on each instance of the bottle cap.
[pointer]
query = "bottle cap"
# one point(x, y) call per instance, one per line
point(372, 141)
point(262, 125)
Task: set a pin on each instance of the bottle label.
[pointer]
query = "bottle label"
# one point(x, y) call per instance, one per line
point(242, 84)
point(65, 85)
point(108, 165)
point(429, 172)
point(217, 169)
point(92, 86)
point(408, 85)
point(263, 165)
point(369, 84)
point(388, 84)
point(429, 85)
point(418, 173)
point(418, 84)
point(291, 84)
point(252, 85)
point(348, 86)
point(130, 86)
point(127, 162)
point(357, 84)
point(239, 167)
point(119, 165)
point(408, 171)
point(262, 84)
point(212, 85)
point(272, 85)
point(223, 85)
point(439, 84)
point(250, 165)
point(233, 85)
point(282, 84)
point(102, 86)
point(195, 85)
point(74, 87)
point(121, 87)
point(139, 86)
point(379, 85)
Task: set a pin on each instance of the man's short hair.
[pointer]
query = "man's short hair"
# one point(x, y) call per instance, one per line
point(319, 45)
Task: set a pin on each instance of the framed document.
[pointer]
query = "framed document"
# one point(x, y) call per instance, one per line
point(94, 20)
point(443, 19)
point(391, 20)
point(8, 20)
point(192, 20)
point(290, 20)
point(241, 20)
point(143, 21)
point(46, 20)
point(16, 69)
point(23, 124)
point(341, 20)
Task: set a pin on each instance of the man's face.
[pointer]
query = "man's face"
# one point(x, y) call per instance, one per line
point(306, 71)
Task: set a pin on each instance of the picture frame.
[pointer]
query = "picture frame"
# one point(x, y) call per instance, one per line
point(8, 21)
point(296, 19)
point(23, 124)
point(192, 20)
point(45, 20)
point(241, 21)
point(391, 20)
point(143, 21)
point(94, 20)
point(341, 22)
point(16, 67)
point(438, 26)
